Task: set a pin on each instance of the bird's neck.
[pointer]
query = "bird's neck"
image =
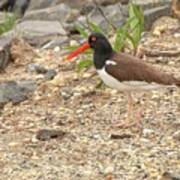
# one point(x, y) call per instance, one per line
point(100, 58)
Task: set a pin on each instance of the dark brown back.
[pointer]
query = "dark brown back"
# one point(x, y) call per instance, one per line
point(134, 69)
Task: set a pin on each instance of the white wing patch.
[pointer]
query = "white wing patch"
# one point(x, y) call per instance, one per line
point(110, 62)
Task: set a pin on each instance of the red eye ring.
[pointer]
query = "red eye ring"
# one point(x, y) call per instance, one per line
point(93, 38)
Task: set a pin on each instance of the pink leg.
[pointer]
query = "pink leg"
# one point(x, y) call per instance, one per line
point(130, 115)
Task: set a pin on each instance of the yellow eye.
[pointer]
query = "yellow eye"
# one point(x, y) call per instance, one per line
point(93, 38)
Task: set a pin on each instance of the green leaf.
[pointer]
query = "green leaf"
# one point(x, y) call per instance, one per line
point(82, 31)
point(95, 28)
point(84, 64)
point(136, 23)
point(120, 39)
point(8, 23)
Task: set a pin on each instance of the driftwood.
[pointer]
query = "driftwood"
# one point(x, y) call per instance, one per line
point(156, 53)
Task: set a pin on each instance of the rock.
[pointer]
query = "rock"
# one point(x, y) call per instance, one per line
point(59, 41)
point(7, 5)
point(50, 74)
point(21, 52)
point(57, 13)
point(4, 52)
point(17, 6)
point(31, 68)
point(38, 33)
point(59, 80)
point(121, 136)
point(176, 135)
point(20, 7)
point(47, 134)
point(40, 4)
point(15, 92)
point(149, 4)
point(117, 14)
point(175, 8)
point(152, 14)
point(170, 176)
point(66, 93)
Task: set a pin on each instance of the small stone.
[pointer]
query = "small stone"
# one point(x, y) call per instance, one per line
point(50, 74)
point(79, 111)
point(66, 93)
point(47, 134)
point(147, 132)
point(31, 68)
point(120, 136)
point(34, 140)
point(57, 49)
point(13, 144)
point(73, 43)
point(109, 169)
point(176, 135)
point(87, 75)
point(58, 80)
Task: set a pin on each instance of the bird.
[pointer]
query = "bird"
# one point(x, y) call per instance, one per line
point(124, 72)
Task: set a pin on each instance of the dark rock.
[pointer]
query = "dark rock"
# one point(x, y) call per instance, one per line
point(4, 53)
point(7, 5)
point(31, 68)
point(27, 86)
point(21, 6)
point(56, 13)
point(50, 74)
point(40, 4)
point(15, 92)
point(37, 33)
point(117, 15)
point(47, 134)
point(120, 136)
point(17, 6)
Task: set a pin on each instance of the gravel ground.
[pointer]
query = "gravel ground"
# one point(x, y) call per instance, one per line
point(89, 148)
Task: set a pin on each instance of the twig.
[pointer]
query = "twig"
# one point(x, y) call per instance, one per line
point(104, 16)
point(156, 53)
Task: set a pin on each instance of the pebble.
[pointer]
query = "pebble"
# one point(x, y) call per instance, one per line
point(13, 144)
point(57, 49)
point(50, 74)
point(176, 135)
point(147, 132)
point(31, 68)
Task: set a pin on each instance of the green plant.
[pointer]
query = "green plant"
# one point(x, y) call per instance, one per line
point(131, 31)
point(8, 23)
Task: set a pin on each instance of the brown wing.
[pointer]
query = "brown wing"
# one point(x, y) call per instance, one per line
point(129, 68)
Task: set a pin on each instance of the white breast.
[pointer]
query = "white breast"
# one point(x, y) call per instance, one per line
point(127, 85)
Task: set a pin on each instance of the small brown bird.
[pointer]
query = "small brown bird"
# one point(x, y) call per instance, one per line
point(124, 72)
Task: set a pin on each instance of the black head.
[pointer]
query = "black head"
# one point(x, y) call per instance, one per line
point(99, 43)
point(102, 48)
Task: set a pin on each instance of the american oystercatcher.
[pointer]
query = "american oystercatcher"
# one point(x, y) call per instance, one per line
point(124, 72)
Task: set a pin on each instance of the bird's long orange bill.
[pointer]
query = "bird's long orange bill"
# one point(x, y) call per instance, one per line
point(78, 51)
